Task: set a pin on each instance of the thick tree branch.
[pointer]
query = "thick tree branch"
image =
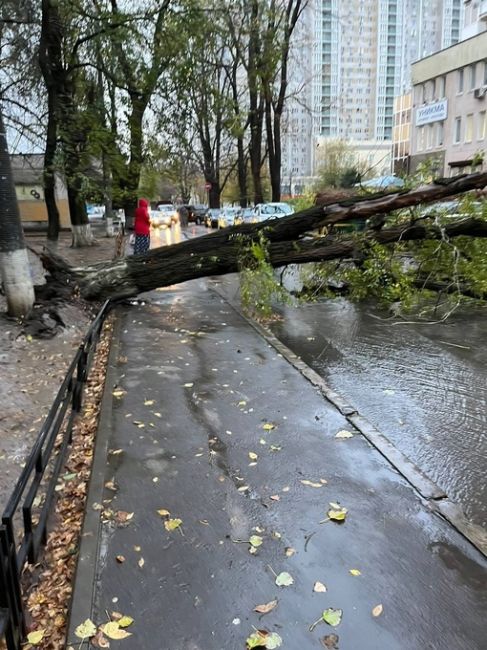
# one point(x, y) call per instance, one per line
point(221, 252)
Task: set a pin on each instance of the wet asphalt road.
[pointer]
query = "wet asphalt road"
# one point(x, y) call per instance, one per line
point(200, 386)
point(423, 386)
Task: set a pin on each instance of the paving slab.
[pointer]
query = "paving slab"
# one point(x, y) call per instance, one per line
point(196, 386)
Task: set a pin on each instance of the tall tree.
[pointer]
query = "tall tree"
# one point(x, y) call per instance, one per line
point(279, 25)
point(14, 263)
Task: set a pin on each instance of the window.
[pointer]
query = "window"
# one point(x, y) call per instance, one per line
point(433, 88)
point(431, 129)
point(420, 138)
point(458, 130)
point(439, 134)
point(423, 93)
point(482, 125)
point(484, 81)
point(473, 75)
point(460, 81)
point(441, 87)
point(469, 128)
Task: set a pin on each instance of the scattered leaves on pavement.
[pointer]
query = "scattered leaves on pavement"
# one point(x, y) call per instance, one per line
point(377, 610)
point(319, 587)
point(264, 639)
point(269, 426)
point(266, 607)
point(86, 629)
point(336, 512)
point(284, 579)
point(330, 641)
point(172, 524)
point(355, 572)
point(255, 540)
point(253, 455)
point(163, 512)
point(113, 631)
point(100, 640)
point(311, 483)
point(344, 434)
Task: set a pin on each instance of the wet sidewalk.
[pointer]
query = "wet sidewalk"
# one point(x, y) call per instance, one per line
point(204, 420)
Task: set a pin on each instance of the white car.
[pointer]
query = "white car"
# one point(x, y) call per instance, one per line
point(263, 211)
point(163, 216)
point(227, 217)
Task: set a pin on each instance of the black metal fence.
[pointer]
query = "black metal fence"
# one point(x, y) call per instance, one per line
point(23, 528)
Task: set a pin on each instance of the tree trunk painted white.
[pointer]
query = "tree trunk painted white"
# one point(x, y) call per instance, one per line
point(82, 236)
point(17, 282)
point(109, 229)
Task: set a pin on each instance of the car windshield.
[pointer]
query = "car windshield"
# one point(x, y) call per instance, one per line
point(165, 208)
point(283, 207)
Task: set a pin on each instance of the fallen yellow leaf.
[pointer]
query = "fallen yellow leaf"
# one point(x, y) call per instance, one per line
point(35, 637)
point(125, 621)
point(377, 611)
point(311, 484)
point(113, 631)
point(163, 512)
point(355, 572)
point(86, 629)
point(172, 524)
point(268, 426)
point(253, 455)
point(266, 607)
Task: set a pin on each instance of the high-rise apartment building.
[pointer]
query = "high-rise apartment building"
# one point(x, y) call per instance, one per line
point(361, 53)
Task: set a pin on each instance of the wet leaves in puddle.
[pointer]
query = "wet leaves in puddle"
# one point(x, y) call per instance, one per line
point(172, 524)
point(336, 513)
point(255, 541)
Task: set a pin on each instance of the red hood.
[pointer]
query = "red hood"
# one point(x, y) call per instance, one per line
point(143, 203)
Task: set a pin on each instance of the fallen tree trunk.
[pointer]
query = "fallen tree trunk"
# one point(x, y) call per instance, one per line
point(221, 252)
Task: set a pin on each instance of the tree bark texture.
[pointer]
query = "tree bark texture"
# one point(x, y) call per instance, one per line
point(14, 264)
point(50, 63)
point(220, 252)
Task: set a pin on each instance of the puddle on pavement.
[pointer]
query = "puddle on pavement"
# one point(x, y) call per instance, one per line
point(424, 386)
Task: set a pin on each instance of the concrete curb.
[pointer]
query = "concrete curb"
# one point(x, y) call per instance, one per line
point(85, 577)
point(426, 488)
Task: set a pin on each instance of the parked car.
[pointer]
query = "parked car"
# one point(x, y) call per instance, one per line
point(244, 215)
point(263, 211)
point(227, 217)
point(211, 217)
point(197, 213)
point(163, 217)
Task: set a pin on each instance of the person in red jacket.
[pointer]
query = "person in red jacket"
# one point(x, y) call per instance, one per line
point(142, 227)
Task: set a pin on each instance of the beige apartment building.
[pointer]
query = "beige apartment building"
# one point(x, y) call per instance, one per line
point(449, 108)
point(401, 133)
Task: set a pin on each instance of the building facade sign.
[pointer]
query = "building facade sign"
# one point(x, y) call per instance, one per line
point(432, 112)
